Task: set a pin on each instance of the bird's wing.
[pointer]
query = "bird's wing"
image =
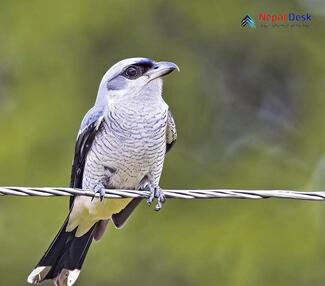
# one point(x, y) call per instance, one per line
point(85, 138)
point(171, 133)
point(120, 218)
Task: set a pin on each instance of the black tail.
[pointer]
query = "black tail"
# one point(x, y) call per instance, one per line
point(65, 255)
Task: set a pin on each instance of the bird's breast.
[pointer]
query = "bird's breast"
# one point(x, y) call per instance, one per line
point(137, 133)
point(132, 143)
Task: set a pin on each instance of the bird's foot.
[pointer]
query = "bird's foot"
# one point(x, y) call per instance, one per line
point(99, 190)
point(159, 194)
point(154, 192)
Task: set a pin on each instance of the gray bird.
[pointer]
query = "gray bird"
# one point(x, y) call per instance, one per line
point(122, 142)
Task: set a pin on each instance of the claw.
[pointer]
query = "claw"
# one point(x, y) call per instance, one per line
point(99, 189)
point(159, 194)
point(154, 192)
point(151, 196)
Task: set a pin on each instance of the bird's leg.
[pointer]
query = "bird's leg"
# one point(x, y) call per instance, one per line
point(102, 185)
point(155, 192)
point(99, 189)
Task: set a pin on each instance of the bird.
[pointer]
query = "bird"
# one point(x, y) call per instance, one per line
point(121, 144)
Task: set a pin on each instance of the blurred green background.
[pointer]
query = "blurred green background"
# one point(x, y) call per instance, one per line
point(250, 110)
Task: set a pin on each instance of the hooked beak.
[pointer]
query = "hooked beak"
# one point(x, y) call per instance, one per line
point(161, 69)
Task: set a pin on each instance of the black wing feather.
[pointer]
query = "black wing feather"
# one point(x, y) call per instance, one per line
point(119, 219)
point(169, 146)
point(171, 132)
point(83, 144)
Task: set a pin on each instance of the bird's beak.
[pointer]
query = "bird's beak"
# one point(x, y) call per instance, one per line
point(161, 69)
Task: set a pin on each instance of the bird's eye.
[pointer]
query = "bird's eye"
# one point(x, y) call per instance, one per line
point(132, 72)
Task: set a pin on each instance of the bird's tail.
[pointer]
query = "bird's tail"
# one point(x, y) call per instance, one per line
point(63, 259)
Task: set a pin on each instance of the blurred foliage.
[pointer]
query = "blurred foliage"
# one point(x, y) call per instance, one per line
point(249, 107)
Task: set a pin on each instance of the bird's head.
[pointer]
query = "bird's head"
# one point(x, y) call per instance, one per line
point(132, 78)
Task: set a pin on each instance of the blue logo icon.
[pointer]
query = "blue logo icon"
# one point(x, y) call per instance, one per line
point(248, 21)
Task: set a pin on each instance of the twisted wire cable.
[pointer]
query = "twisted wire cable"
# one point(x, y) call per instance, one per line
point(179, 194)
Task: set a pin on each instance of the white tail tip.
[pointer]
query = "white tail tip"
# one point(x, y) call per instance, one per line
point(66, 277)
point(38, 274)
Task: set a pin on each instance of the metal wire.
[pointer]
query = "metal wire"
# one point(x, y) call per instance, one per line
point(179, 194)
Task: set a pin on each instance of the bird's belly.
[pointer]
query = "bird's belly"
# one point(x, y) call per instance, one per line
point(130, 171)
point(134, 157)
